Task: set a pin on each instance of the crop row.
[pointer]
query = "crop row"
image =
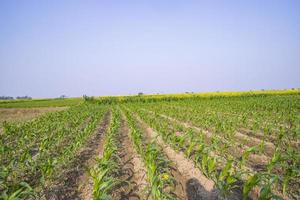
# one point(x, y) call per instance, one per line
point(280, 169)
point(270, 115)
point(158, 166)
point(33, 153)
point(107, 168)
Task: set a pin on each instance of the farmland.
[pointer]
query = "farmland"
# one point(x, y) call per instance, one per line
point(242, 145)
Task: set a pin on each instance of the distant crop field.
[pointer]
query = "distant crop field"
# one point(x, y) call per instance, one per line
point(35, 103)
point(186, 146)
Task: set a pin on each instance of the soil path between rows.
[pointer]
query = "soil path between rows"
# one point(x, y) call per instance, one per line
point(75, 183)
point(193, 185)
point(133, 171)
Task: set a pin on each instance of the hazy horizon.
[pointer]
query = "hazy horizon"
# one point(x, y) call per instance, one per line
point(98, 48)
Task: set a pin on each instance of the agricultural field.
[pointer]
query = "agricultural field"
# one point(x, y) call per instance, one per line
point(38, 103)
point(154, 147)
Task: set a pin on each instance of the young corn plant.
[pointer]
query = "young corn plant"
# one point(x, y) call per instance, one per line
point(251, 183)
point(158, 177)
point(22, 191)
point(227, 179)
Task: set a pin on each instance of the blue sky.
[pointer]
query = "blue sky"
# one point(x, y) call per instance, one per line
point(50, 48)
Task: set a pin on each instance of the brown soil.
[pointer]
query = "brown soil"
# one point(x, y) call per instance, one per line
point(133, 172)
point(23, 114)
point(75, 183)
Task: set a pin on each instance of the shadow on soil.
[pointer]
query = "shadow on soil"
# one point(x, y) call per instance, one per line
point(195, 191)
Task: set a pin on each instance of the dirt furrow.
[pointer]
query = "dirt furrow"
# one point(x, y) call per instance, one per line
point(133, 171)
point(75, 183)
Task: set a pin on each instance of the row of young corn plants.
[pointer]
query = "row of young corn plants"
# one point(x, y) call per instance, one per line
point(286, 141)
point(250, 114)
point(195, 148)
point(283, 162)
point(227, 171)
point(224, 122)
point(106, 171)
point(243, 122)
point(34, 153)
point(161, 182)
point(227, 147)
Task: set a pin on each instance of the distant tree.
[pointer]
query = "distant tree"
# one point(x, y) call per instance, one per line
point(87, 98)
point(140, 93)
point(62, 96)
point(23, 97)
point(6, 98)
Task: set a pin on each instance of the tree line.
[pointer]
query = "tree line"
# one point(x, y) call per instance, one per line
point(12, 98)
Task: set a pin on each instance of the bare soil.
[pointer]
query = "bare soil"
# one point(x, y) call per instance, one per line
point(133, 172)
point(74, 183)
point(24, 114)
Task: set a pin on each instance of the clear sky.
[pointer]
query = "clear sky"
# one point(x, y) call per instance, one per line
point(55, 47)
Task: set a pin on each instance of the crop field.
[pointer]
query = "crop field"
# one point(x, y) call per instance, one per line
point(60, 102)
point(157, 147)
